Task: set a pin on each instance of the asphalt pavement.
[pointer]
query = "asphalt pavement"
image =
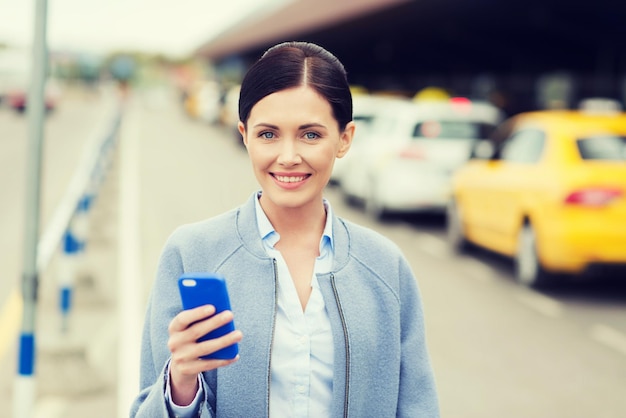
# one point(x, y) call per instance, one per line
point(76, 369)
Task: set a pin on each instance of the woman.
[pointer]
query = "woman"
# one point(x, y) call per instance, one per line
point(328, 315)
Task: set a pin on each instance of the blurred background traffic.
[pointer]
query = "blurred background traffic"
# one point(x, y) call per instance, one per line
point(490, 145)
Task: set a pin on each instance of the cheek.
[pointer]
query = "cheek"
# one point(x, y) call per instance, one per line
point(324, 158)
point(259, 157)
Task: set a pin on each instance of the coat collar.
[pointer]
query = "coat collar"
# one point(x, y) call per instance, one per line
point(248, 232)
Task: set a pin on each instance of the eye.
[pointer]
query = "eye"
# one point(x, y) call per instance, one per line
point(267, 135)
point(311, 135)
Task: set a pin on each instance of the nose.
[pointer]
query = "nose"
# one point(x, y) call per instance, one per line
point(289, 154)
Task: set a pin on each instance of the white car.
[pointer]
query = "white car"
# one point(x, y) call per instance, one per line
point(229, 114)
point(405, 162)
point(365, 109)
point(15, 73)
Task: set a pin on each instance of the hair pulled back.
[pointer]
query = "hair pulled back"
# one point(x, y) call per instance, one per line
point(292, 64)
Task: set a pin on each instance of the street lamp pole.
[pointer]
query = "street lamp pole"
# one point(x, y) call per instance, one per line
point(24, 390)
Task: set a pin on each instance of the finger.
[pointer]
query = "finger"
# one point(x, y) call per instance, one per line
point(215, 363)
point(209, 347)
point(187, 317)
point(193, 368)
point(189, 336)
point(185, 357)
point(191, 351)
point(207, 325)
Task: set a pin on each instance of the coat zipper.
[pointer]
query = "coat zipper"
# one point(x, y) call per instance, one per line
point(347, 344)
point(269, 364)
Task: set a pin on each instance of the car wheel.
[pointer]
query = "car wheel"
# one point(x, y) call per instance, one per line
point(528, 269)
point(454, 229)
point(349, 199)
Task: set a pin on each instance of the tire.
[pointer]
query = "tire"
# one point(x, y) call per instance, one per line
point(349, 199)
point(528, 269)
point(454, 229)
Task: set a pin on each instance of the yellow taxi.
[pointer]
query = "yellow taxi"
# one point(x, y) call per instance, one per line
point(549, 190)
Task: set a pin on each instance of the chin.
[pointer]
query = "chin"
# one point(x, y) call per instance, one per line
point(290, 199)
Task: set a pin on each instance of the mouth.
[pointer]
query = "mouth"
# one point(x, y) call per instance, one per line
point(290, 178)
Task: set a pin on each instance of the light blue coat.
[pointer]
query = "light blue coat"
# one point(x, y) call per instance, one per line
point(381, 365)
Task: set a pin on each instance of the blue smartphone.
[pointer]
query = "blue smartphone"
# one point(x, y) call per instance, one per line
point(197, 289)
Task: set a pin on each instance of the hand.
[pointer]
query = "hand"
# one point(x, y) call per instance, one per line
point(186, 363)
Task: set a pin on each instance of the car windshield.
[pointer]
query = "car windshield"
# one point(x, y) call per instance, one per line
point(363, 122)
point(452, 129)
point(603, 147)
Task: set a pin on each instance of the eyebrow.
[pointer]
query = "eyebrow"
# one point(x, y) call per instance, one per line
point(305, 126)
point(265, 125)
point(312, 125)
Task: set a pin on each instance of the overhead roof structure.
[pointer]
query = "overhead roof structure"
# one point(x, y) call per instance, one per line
point(407, 44)
point(292, 20)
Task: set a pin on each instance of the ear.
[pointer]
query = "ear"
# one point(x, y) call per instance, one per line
point(242, 130)
point(346, 139)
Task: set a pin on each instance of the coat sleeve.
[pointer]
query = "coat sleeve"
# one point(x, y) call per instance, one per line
point(152, 401)
point(417, 395)
point(163, 304)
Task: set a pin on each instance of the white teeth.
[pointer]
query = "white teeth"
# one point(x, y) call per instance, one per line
point(287, 179)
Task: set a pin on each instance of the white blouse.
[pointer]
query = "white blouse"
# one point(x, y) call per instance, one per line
point(302, 351)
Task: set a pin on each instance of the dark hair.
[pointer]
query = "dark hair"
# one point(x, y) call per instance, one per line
point(293, 64)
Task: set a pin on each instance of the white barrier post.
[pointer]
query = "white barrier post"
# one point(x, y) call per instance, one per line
point(74, 244)
point(67, 275)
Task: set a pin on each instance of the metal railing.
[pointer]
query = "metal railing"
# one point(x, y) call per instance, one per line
point(66, 236)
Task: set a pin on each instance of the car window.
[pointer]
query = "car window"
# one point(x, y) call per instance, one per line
point(602, 147)
point(525, 146)
point(364, 120)
point(483, 150)
point(382, 125)
point(363, 123)
point(453, 129)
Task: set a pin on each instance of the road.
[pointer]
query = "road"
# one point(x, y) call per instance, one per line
point(498, 350)
point(66, 132)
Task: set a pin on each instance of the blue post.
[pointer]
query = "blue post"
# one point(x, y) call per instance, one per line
point(71, 249)
point(26, 366)
point(74, 243)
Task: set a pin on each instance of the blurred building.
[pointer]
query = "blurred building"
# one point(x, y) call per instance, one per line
point(517, 54)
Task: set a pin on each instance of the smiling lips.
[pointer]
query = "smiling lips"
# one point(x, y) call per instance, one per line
point(290, 180)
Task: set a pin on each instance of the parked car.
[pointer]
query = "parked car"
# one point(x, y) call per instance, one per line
point(549, 191)
point(16, 96)
point(366, 107)
point(229, 113)
point(406, 160)
point(14, 81)
point(203, 101)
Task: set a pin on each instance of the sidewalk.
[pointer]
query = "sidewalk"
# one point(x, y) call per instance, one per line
point(76, 371)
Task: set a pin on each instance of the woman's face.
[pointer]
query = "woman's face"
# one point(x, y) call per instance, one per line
point(293, 139)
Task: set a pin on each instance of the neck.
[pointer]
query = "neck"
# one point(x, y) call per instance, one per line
point(290, 222)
